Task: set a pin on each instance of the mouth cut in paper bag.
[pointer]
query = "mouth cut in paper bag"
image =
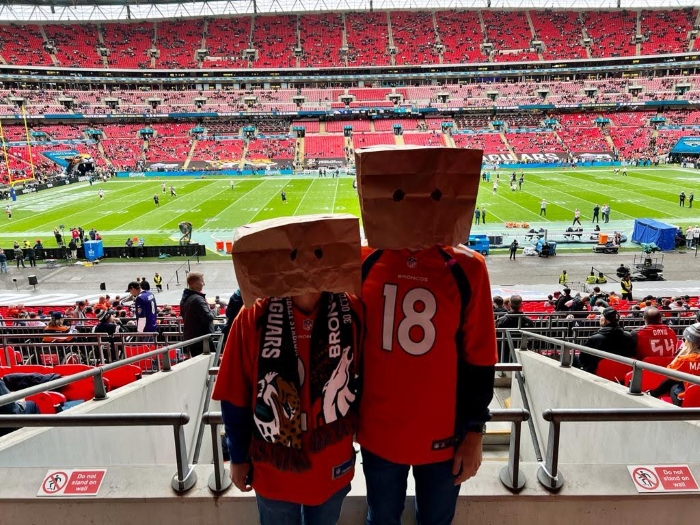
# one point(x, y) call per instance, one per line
point(416, 197)
point(297, 255)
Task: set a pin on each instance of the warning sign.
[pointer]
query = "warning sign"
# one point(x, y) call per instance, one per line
point(72, 483)
point(663, 478)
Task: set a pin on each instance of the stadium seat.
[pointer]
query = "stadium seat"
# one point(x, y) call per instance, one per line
point(122, 376)
point(612, 370)
point(691, 398)
point(650, 381)
point(48, 402)
point(658, 361)
point(15, 357)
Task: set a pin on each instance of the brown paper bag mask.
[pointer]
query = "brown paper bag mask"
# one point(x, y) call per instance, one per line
point(296, 255)
point(417, 197)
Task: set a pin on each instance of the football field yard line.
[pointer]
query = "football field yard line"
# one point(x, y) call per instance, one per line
point(304, 196)
point(512, 203)
point(209, 198)
point(572, 197)
point(259, 184)
point(335, 195)
point(275, 194)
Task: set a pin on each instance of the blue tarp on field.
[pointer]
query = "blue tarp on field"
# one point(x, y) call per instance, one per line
point(649, 230)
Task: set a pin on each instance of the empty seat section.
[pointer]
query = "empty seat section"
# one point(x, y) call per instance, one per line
point(365, 140)
point(424, 139)
point(460, 33)
point(128, 44)
point(414, 37)
point(76, 44)
point(336, 126)
point(324, 146)
point(23, 45)
point(489, 142)
point(177, 42)
point(541, 142)
point(275, 38)
point(510, 33)
point(665, 31)
point(227, 39)
point(368, 39)
point(611, 32)
point(560, 32)
point(321, 37)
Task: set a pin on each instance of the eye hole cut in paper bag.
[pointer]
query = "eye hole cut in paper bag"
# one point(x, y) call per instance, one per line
point(417, 197)
point(292, 256)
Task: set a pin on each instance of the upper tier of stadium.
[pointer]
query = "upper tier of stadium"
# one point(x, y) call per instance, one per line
point(339, 39)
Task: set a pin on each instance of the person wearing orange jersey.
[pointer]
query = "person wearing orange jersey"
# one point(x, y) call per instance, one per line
point(687, 361)
point(288, 378)
point(430, 346)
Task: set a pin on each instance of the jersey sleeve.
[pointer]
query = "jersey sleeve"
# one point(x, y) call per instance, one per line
point(478, 352)
point(234, 382)
point(478, 346)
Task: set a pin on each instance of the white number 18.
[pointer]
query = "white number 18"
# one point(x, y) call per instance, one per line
point(411, 318)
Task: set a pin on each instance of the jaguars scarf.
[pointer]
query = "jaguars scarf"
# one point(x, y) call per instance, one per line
point(278, 421)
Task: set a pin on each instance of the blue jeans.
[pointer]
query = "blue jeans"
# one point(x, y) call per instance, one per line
point(275, 512)
point(436, 493)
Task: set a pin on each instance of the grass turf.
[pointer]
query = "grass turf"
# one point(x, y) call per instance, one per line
point(215, 209)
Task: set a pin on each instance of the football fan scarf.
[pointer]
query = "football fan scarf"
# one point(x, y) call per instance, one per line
point(278, 424)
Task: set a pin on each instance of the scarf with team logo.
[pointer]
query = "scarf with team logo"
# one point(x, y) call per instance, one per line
point(279, 417)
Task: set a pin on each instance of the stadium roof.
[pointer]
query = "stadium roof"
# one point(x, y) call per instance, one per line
point(96, 10)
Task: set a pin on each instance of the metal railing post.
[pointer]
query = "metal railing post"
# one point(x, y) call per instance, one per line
point(182, 480)
point(566, 356)
point(548, 474)
point(206, 348)
point(166, 364)
point(220, 480)
point(511, 476)
point(635, 387)
point(100, 390)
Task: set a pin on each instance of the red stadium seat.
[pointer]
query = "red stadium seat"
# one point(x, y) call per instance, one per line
point(122, 376)
point(48, 402)
point(691, 398)
point(612, 370)
point(14, 355)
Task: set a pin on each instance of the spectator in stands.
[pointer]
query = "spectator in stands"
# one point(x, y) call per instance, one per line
point(498, 307)
point(610, 338)
point(235, 303)
point(563, 299)
point(106, 324)
point(515, 318)
point(655, 339)
point(687, 360)
point(599, 297)
point(197, 315)
point(16, 407)
point(145, 306)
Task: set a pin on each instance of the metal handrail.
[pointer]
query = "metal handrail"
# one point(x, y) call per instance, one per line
point(511, 476)
point(549, 476)
point(635, 387)
point(182, 481)
point(96, 373)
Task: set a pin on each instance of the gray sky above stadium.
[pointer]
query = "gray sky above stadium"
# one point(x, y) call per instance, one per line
point(96, 10)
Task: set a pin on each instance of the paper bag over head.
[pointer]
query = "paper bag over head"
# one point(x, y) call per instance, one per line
point(292, 256)
point(417, 197)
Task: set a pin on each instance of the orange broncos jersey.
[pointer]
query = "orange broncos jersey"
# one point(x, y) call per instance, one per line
point(688, 363)
point(422, 315)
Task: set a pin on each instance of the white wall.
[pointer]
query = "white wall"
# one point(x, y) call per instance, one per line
point(549, 386)
point(180, 390)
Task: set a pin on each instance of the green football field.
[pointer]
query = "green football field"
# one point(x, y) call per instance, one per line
point(215, 209)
